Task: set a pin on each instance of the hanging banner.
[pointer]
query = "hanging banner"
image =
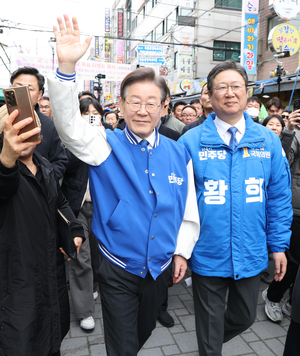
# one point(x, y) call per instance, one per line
point(120, 51)
point(120, 22)
point(107, 20)
point(250, 36)
point(186, 37)
point(185, 66)
point(107, 48)
point(85, 70)
point(97, 46)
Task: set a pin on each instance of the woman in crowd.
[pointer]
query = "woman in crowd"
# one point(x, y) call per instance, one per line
point(274, 123)
point(83, 279)
point(290, 138)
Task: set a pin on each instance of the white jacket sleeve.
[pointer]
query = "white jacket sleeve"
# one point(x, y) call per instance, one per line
point(190, 227)
point(86, 142)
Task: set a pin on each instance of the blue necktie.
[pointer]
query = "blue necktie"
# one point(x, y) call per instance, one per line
point(144, 143)
point(233, 141)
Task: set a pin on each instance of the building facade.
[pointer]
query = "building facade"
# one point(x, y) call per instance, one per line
point(194, 35)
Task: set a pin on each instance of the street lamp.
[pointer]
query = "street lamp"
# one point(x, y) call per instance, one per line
point(51, 43)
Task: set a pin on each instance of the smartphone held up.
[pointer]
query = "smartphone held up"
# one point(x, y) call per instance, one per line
point(19, 98)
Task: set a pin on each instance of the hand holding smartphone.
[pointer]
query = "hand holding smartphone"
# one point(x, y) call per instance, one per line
point(19, 98)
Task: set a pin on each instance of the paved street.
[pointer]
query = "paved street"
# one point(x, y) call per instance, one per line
point(264, 338)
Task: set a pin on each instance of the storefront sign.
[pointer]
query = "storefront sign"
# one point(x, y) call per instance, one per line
point(287, 9)
point(250, 36)
point(186, 85)
point(120, 22)
point(284, 37)
point(107, 20)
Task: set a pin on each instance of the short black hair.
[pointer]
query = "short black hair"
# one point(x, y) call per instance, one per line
point(144, 74)
point(190, 106)
point(268, 118)
point(112, 112)
point(178, 103)
point(45, 98)
point(86, 102)
point(86, 92)
point(254, 98)
point(31, 71)
point(276, 102)
point(195, 101)
point(226, 65)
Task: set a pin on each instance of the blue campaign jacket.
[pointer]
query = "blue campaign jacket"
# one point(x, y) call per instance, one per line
point(244, 200)
point(135, 219)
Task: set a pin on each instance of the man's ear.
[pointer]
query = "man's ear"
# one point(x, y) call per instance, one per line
point(167, 102)
point(121, 106)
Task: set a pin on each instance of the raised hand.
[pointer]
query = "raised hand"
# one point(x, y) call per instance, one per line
point(68, 47)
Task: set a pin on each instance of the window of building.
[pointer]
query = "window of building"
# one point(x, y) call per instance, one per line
point(129, 17)
point(185, 12)
point(223, 54)
point(149, 37)
point(171, 20)
point(175, 60)
point(148, 7)
point(134, 24)
point(159, 31)
point(229, 4)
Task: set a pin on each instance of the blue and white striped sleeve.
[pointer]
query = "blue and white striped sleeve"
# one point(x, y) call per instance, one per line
point(65, 77)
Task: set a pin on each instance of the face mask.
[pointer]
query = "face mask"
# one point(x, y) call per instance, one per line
point(86, 118)
point(252, 112)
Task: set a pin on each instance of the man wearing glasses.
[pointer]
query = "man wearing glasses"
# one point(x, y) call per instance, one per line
point(45, 106)
point(244, 199)
point(143, 193)
point(189, 114)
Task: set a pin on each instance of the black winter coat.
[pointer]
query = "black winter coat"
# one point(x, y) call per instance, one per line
point(51, 146)
point(34, 309)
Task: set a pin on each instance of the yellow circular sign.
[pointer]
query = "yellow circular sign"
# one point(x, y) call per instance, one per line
point(284, 37)
point(108, 96)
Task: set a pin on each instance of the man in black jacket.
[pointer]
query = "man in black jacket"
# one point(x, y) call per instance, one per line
point(207, 109)
point(33, 291)
point(50, 146)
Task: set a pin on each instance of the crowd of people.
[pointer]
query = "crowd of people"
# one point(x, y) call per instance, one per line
point(222, 200)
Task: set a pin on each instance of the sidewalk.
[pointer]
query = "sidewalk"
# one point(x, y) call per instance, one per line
point(264, 338)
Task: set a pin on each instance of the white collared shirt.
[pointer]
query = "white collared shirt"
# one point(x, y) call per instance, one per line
point(150, 139)
point(223, 127)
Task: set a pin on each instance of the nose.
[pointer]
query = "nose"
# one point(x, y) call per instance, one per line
point(142, 109)
point(229, 91)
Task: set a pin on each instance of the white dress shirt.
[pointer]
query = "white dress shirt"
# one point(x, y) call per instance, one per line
point(150, 139)
point(223, 127)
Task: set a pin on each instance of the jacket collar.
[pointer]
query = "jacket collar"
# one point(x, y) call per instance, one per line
point(211, 138)
point(134, 141)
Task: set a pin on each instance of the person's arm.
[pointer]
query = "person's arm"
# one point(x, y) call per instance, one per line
point(86, 142)
point(13, 145)
point(77, 230)
point(189, 230)
point(279, 209)
point(287, 138)
point(57, 155)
